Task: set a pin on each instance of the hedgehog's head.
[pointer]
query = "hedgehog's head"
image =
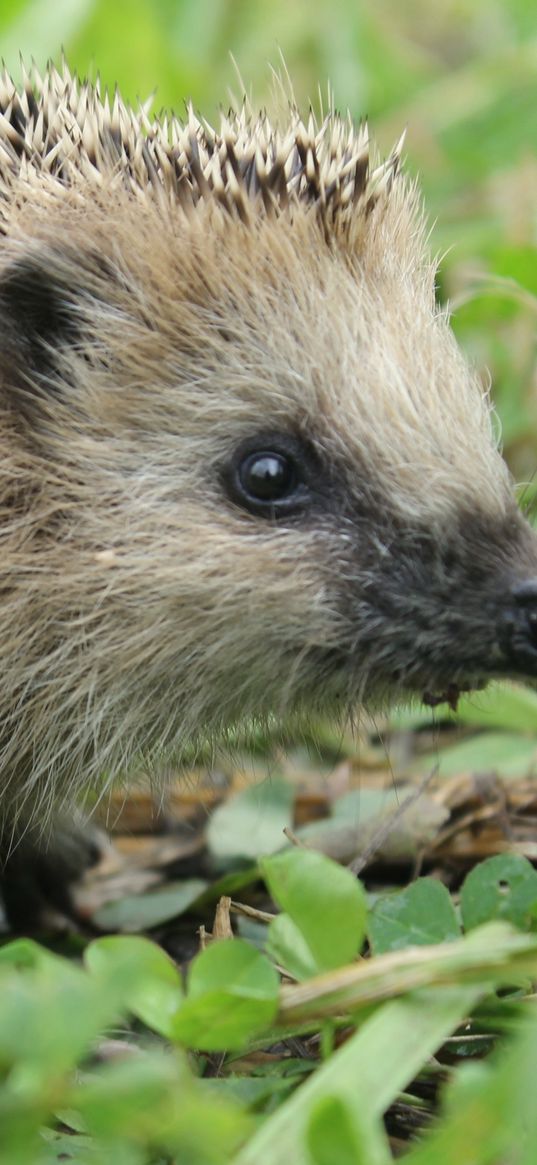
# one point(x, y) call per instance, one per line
point(227, 345)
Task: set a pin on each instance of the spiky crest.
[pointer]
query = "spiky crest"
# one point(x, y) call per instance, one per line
point(59, 126)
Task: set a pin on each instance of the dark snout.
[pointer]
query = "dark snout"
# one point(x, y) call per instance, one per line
point(518, 632)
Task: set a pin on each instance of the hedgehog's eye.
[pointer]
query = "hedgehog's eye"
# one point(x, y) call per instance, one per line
point(272, 475)
point(267, 476)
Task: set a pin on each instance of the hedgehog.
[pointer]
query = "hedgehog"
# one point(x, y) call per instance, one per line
point(247, 474)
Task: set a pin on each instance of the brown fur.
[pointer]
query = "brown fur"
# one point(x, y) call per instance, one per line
point(168, 292)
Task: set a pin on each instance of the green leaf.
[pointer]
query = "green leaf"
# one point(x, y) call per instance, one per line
point(288, 947)
point(232, 996)
point(325, 902)
point(137, 912)
point(505, 753)
point(24, 954)
point(504, 886)
point(493, 954)
point(153, 985)
point(252, 822)
point(336, 1133)
point(151, 1101)
point(491, 1113)
point(508, 706)
point(368, 1071)
point(50, 1013)
point(423, 913)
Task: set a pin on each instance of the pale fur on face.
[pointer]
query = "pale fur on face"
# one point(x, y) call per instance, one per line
point(149, 332)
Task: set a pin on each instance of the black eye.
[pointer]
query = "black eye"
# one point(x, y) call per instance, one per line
point(267, 476)
point(272, 475)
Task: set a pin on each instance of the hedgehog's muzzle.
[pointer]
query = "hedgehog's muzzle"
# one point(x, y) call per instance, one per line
point(518, 632)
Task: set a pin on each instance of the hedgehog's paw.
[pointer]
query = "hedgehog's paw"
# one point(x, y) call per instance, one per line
point(36, 876)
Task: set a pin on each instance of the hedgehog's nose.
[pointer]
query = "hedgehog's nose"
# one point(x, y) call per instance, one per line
point(525, 592)
point(519, 628)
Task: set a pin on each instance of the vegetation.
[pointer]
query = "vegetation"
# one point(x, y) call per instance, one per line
point(429, 1045)
point(135, 1100)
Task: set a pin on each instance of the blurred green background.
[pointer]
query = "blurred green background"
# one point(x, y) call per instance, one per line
point(460, 74)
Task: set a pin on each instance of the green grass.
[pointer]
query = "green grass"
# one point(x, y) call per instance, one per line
point(174, 1090)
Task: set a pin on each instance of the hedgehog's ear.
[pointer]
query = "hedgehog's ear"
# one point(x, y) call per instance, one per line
point(37, 317)
point(47, 296)
point(37, 320)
